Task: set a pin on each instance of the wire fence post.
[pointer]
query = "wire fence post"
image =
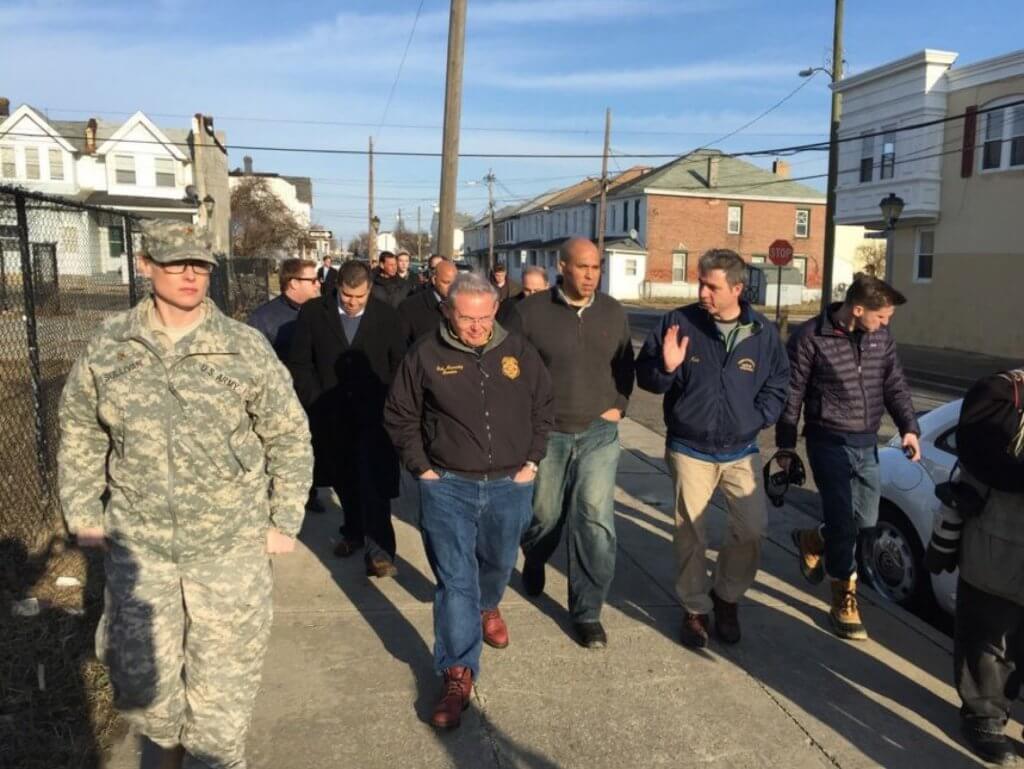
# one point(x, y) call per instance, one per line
point(32, 338)
point(129, 254)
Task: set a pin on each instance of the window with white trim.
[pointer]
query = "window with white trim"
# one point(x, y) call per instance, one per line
point(887, 168)
point(124, 169)
point(758, 259)
point(630, 268)
point(734, 223)
point(803, 223)
point(867, 157)
point(800, 263)
point(164, 168)
point(115, 241)
point(56, 165)
point(924, 256)
point(8, 168)
point(1003, 137)
point(32, 163)
point(679, 267)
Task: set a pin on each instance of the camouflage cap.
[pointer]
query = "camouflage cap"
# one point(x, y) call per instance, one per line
point(167, 241)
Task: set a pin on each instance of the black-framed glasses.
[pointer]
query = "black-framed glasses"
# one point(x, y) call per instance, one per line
point(178, 268)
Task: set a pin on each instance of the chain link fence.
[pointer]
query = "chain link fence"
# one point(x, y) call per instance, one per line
point(64, 267)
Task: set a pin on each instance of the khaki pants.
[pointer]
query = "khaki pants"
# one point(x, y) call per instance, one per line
point(740, 554)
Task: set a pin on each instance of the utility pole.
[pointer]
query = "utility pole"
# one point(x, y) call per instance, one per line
point(602, 208)
point(452, 117)
point(419, 236)
point(490, 218)
point(371, 230)
point(833, 160)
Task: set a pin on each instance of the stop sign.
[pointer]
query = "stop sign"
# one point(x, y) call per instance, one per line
point(780, 253)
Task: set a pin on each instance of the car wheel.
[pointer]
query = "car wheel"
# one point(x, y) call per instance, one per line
point(894, 563)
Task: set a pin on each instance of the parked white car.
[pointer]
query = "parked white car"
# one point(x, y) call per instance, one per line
point(895, 567)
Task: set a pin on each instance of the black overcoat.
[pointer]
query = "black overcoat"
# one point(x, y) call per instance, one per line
point(343, 385)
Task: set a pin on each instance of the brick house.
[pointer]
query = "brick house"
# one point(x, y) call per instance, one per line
point(710, 200)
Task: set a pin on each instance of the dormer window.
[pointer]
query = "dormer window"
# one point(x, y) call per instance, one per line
point(164, 172)
point(56, 165)
point(124, 169)
point(32, 163)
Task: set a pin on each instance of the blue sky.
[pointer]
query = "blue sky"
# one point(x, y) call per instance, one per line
point(677, 74)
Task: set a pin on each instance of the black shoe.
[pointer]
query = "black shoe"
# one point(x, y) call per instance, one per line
point(590, 635)
point(727, 620)
point(995, 748)
point(533, 578)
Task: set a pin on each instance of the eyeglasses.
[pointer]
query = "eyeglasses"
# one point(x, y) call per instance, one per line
point(178, 268)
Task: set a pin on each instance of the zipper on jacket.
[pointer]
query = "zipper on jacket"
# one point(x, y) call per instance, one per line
point(859, 353)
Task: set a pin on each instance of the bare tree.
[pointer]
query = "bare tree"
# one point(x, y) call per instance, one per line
point(262, 225)
point(871, 259)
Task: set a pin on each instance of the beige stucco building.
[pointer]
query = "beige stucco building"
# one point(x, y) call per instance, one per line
point(957, 251)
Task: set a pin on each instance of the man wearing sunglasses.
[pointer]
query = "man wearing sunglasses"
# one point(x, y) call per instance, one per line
point(185, 455)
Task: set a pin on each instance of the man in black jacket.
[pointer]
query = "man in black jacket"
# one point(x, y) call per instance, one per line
point(535, 280)
point(388, 286)
point(421, 312)
point(470, 411)
point(327, 274)
point(345, 352)
point(584, 339)
point(846, 373)
point(723, 371)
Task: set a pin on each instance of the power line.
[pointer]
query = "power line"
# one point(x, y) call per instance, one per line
point(767, 112)
point(426, 127)
point(786, 150)
point(401, 65)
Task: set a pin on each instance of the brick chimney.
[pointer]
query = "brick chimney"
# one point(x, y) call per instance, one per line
point(712, 175)
point(247, 165)
point(780, 168)
point(90, 137)
point(5, 107)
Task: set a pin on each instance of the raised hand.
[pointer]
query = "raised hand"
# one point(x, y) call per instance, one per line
point(673, 349)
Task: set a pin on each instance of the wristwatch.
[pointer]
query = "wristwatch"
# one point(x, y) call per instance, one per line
point(532, 465)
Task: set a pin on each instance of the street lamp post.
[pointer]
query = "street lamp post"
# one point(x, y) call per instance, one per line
point(892, 207)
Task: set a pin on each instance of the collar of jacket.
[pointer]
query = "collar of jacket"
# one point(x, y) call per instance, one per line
point(747, 319)
point(560, 298)
point(211, 336)
point(827, 327)
point(498, 335)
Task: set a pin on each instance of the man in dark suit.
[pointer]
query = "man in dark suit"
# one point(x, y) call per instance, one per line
point(388, 286)
point(327, 274)
point(421, 312)
point(345, 352)
point(535, 280)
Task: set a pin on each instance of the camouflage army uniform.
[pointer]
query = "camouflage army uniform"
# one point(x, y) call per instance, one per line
point(185, 454)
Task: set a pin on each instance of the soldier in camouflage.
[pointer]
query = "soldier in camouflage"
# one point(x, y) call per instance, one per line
point(186, 455)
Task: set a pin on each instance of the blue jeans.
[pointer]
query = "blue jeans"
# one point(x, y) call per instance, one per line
point(471, 531)
point(575, 489)
point(849, 482)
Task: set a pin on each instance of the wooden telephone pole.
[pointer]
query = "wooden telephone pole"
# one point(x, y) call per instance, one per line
point(371, 230)
point(602, 209)
point(452, 117)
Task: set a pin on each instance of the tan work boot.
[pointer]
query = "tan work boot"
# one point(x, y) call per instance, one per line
point(811, 547)
point(844, 614)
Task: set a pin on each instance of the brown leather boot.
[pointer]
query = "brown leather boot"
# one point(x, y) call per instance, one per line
point(494, 628)
point(845, 615)
point(694, 632)
point(458, 687)
point(811, 547)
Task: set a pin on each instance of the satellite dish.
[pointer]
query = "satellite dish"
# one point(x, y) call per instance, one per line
point(634, 234)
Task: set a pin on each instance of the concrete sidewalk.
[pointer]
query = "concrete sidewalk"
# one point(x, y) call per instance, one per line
point(348, 679)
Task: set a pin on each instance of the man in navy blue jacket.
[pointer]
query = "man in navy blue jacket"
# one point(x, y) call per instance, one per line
point(724, 373)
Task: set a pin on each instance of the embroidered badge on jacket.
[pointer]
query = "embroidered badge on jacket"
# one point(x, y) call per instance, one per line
point(510, 367)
